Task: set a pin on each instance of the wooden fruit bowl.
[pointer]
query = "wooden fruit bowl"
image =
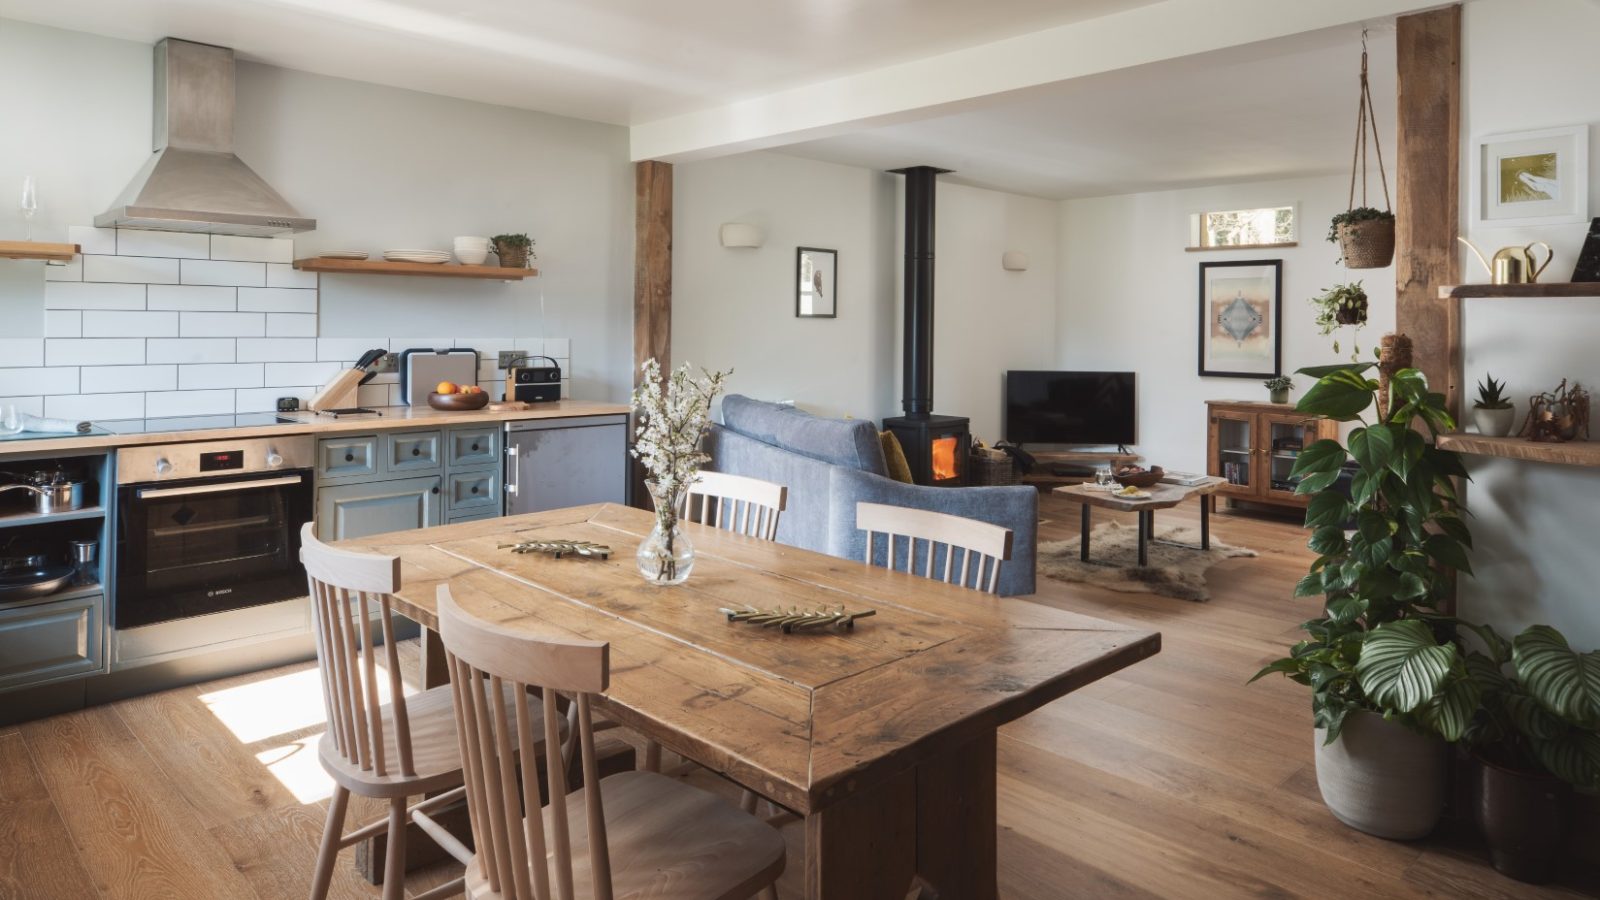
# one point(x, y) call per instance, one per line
point(459, 402)
point(1144, 479)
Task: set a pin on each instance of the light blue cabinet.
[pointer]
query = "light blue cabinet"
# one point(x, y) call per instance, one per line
point(346, 511)
point(51, 641)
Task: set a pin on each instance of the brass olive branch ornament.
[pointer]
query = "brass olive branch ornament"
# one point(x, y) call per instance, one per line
point(796, 619)
point(559, 549)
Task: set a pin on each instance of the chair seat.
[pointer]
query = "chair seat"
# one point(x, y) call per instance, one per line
point(668, 841)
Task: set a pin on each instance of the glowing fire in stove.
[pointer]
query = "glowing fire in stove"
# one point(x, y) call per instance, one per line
point(944, 458)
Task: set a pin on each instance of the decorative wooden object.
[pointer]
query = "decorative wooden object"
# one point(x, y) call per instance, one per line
point(1394, 354)
point(980, 545)
point(748, 506)
point(426, 270)
point(795, 619)
point(1558, 416)
point(561, 548)
point(1258, 455)
point(652, 264)
point(38, 250)
point(876, 736)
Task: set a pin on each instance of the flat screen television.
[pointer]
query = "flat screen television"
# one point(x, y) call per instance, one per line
point(1070, 407)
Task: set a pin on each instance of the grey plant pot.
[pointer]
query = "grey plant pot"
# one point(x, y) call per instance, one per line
point(1494, 422)
point(1383, 778)
point(1280, 396)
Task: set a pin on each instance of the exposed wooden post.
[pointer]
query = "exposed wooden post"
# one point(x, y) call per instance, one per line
point(1427, 208)
point(652, 264)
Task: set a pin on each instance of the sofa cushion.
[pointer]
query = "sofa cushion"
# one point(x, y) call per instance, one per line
point(852, 443)
point(894, 456)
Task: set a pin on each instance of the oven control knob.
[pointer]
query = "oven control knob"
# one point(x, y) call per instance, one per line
point(163, 467)
point(274, 459)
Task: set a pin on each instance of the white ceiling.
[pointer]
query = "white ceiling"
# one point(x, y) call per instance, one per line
point(1277, 109)
point(621, 61)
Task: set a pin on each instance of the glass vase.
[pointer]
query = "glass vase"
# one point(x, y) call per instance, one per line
point(666, 556)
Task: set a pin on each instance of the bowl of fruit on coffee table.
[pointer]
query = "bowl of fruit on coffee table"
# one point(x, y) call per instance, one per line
point(451, 397)
point(1138, 476)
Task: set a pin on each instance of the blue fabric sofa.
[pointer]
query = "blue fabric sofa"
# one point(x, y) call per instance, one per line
point(829, 465)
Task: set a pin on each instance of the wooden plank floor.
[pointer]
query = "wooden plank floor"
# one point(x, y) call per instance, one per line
point(1170, 779)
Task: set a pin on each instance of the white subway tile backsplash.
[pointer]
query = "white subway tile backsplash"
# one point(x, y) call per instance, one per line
point(192, 298)
point(347, 349)
point(42, 381)
point(291, 374)
point(82, 295)
point(134, 242)
point(291, 325)
point(236, 274)
point(92, 240)
point(277, 350)
point(287, 276)
point(188, 403)
point(94, 351)
point(33, 406)
point(89, 407)
point(372, 395)
point(191, 350)
point(63, 323)
point(221, 375)
point(277, 300)
point(111, 379)
point(487, 347)
point(68, 271)
point(266, 399)
point(22, 351)
point(222, 324)
point(252, 249)
point(117, 323)
point(560, 348)
point(130, 269)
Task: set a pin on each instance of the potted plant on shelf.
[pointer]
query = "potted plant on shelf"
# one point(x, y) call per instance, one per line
point(1341, 306)
point(514, 250)
point(1380, 764)
point(1279, 388)
point(1494, 415)
point(673, 413)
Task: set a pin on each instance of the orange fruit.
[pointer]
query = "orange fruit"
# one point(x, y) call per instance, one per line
point(446, 387)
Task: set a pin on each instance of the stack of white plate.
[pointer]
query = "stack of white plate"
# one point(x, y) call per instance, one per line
point(343, 254)
point(472, 250)
point(432, 257)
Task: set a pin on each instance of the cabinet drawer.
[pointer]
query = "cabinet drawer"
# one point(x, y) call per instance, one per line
point(411, 451)
point(346, 511)
point(475, 516)
point(52, 641)
point(347, 457)
point(472, 491)
point(473, 446)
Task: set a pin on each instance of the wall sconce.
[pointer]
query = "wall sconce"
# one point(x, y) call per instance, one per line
point(1014, 261)
point(742, 234)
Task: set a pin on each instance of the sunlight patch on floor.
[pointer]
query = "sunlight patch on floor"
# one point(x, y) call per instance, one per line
point(297, 768)
point(278, 705)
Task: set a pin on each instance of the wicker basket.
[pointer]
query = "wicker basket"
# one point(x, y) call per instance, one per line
point(512, 257)
point(1368, 244)
point(988, 471)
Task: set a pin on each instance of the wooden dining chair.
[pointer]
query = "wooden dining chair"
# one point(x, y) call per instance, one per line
point(389, 751)
point(651, 837)
point(748, 506)
point(973, 550)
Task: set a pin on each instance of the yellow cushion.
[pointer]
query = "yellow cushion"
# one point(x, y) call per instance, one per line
point(895, 457)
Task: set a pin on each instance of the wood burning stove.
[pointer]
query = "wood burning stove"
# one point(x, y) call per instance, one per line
point(937, 447)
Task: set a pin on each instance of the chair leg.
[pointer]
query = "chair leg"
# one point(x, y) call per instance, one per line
point(652, 756)
point(394, 863)
point(770, 892)
point(329, 851)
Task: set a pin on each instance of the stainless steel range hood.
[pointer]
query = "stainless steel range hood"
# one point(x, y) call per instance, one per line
point(193, 182)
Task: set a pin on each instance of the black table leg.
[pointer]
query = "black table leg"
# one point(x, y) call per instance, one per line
point(1083, 539)
point(1145, 527)
point(1205, 523)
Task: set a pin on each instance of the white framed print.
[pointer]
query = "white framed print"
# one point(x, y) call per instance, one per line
point(1532, 177)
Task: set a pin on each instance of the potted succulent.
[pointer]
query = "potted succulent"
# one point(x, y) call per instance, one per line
point(1381, 766)
point(1494, 415)
point(1365, 237)
point(1343, 305)
point(1279, 388)
point(514, 250)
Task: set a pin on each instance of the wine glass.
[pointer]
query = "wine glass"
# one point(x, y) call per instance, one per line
point(30, 202)
point(1102, 475)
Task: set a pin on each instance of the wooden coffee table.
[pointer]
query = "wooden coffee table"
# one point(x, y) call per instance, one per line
point(1162, 496)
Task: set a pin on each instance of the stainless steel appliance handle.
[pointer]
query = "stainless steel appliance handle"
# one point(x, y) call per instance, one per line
point(515, 477)
point(218, 488)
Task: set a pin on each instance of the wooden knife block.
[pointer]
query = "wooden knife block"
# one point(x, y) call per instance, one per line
point(338, 393)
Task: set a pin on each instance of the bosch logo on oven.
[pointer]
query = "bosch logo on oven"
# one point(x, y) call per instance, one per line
point(219, 592)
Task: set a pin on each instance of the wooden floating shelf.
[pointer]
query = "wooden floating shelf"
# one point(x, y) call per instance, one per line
point(38, 250)
point(1571, 453)
point(1518, 291)
point(384, 267)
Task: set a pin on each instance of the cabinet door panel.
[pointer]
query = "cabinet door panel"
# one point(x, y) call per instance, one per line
point(474, 491)
point(559, 467)
point(358, 510)
point(347, 457)
point(1232, 451)
point(473, 447)
point(1283, 438)
point(51, 641)
point(412, 451)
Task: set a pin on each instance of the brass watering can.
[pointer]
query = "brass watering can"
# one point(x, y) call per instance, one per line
point(1513, 265)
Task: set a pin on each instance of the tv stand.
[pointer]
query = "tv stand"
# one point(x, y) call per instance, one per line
point(1053, 465)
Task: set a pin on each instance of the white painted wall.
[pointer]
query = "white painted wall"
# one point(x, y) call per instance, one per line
point(735, 307)
point(1129, 300)
point(1525, 68)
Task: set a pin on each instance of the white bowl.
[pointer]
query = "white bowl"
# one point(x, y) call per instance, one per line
point(471, 257)
point(472, 242)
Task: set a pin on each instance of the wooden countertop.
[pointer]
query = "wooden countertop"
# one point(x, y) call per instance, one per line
point(393, 418)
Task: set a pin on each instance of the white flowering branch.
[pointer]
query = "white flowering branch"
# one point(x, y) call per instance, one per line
point(673, 413)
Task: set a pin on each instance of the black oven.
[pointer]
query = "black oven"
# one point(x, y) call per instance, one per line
point(217, 529)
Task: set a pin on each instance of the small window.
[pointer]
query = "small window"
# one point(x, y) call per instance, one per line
point(1271, 226)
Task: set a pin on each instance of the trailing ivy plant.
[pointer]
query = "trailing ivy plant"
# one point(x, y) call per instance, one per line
point(1359, 214)
point(1385, 579)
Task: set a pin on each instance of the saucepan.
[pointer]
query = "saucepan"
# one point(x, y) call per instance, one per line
point(53, 492)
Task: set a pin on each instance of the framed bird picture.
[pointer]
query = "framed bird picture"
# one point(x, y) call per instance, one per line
point(1532, 177)
point(1241, 318)
point(816, 283)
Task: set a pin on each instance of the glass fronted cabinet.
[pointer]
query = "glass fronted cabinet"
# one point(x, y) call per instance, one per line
point(1253, 447)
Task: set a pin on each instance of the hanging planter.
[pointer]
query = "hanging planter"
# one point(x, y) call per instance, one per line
point(1365, 235)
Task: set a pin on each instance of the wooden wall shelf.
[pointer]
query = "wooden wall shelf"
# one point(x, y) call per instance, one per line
point(384, 267)
point(1518, 291)
point(38, 250)
point(1571, 453)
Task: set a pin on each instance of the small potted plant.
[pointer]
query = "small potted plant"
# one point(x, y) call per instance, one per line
point(1280, 388)
point(514, 250)
point(1494, 415)
point(1342, 306)
point(1365, 237)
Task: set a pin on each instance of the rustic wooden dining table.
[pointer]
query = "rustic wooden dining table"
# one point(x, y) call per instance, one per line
point(881, 738)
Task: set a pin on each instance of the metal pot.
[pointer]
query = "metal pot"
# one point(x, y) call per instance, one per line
point(55, 497)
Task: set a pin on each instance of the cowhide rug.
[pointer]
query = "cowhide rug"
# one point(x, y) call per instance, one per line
point(1114, 561)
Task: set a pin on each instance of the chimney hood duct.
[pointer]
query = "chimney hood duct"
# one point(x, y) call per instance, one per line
point(193, 182)
point(917, 380)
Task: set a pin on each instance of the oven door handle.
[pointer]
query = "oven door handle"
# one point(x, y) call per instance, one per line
point(220, 487)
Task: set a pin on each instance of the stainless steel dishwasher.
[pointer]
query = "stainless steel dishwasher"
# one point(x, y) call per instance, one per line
point(555, 463)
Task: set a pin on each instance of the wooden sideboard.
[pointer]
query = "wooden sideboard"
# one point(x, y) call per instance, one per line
point(1253, 446)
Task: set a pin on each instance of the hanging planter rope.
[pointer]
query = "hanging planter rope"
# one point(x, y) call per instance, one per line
point(1365, 235)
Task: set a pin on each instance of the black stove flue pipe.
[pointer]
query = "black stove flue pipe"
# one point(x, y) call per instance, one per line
point(917, 380)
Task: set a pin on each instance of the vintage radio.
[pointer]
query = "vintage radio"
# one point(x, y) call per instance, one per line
point(534, 384)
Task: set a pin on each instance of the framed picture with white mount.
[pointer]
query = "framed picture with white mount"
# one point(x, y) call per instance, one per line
point(816, 283)
point(1241, 318)
point(1529, 178)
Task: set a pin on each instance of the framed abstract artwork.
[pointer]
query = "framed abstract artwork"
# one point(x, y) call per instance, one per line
point(1532, 177)
point(1241, 318)
point(816, 277)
